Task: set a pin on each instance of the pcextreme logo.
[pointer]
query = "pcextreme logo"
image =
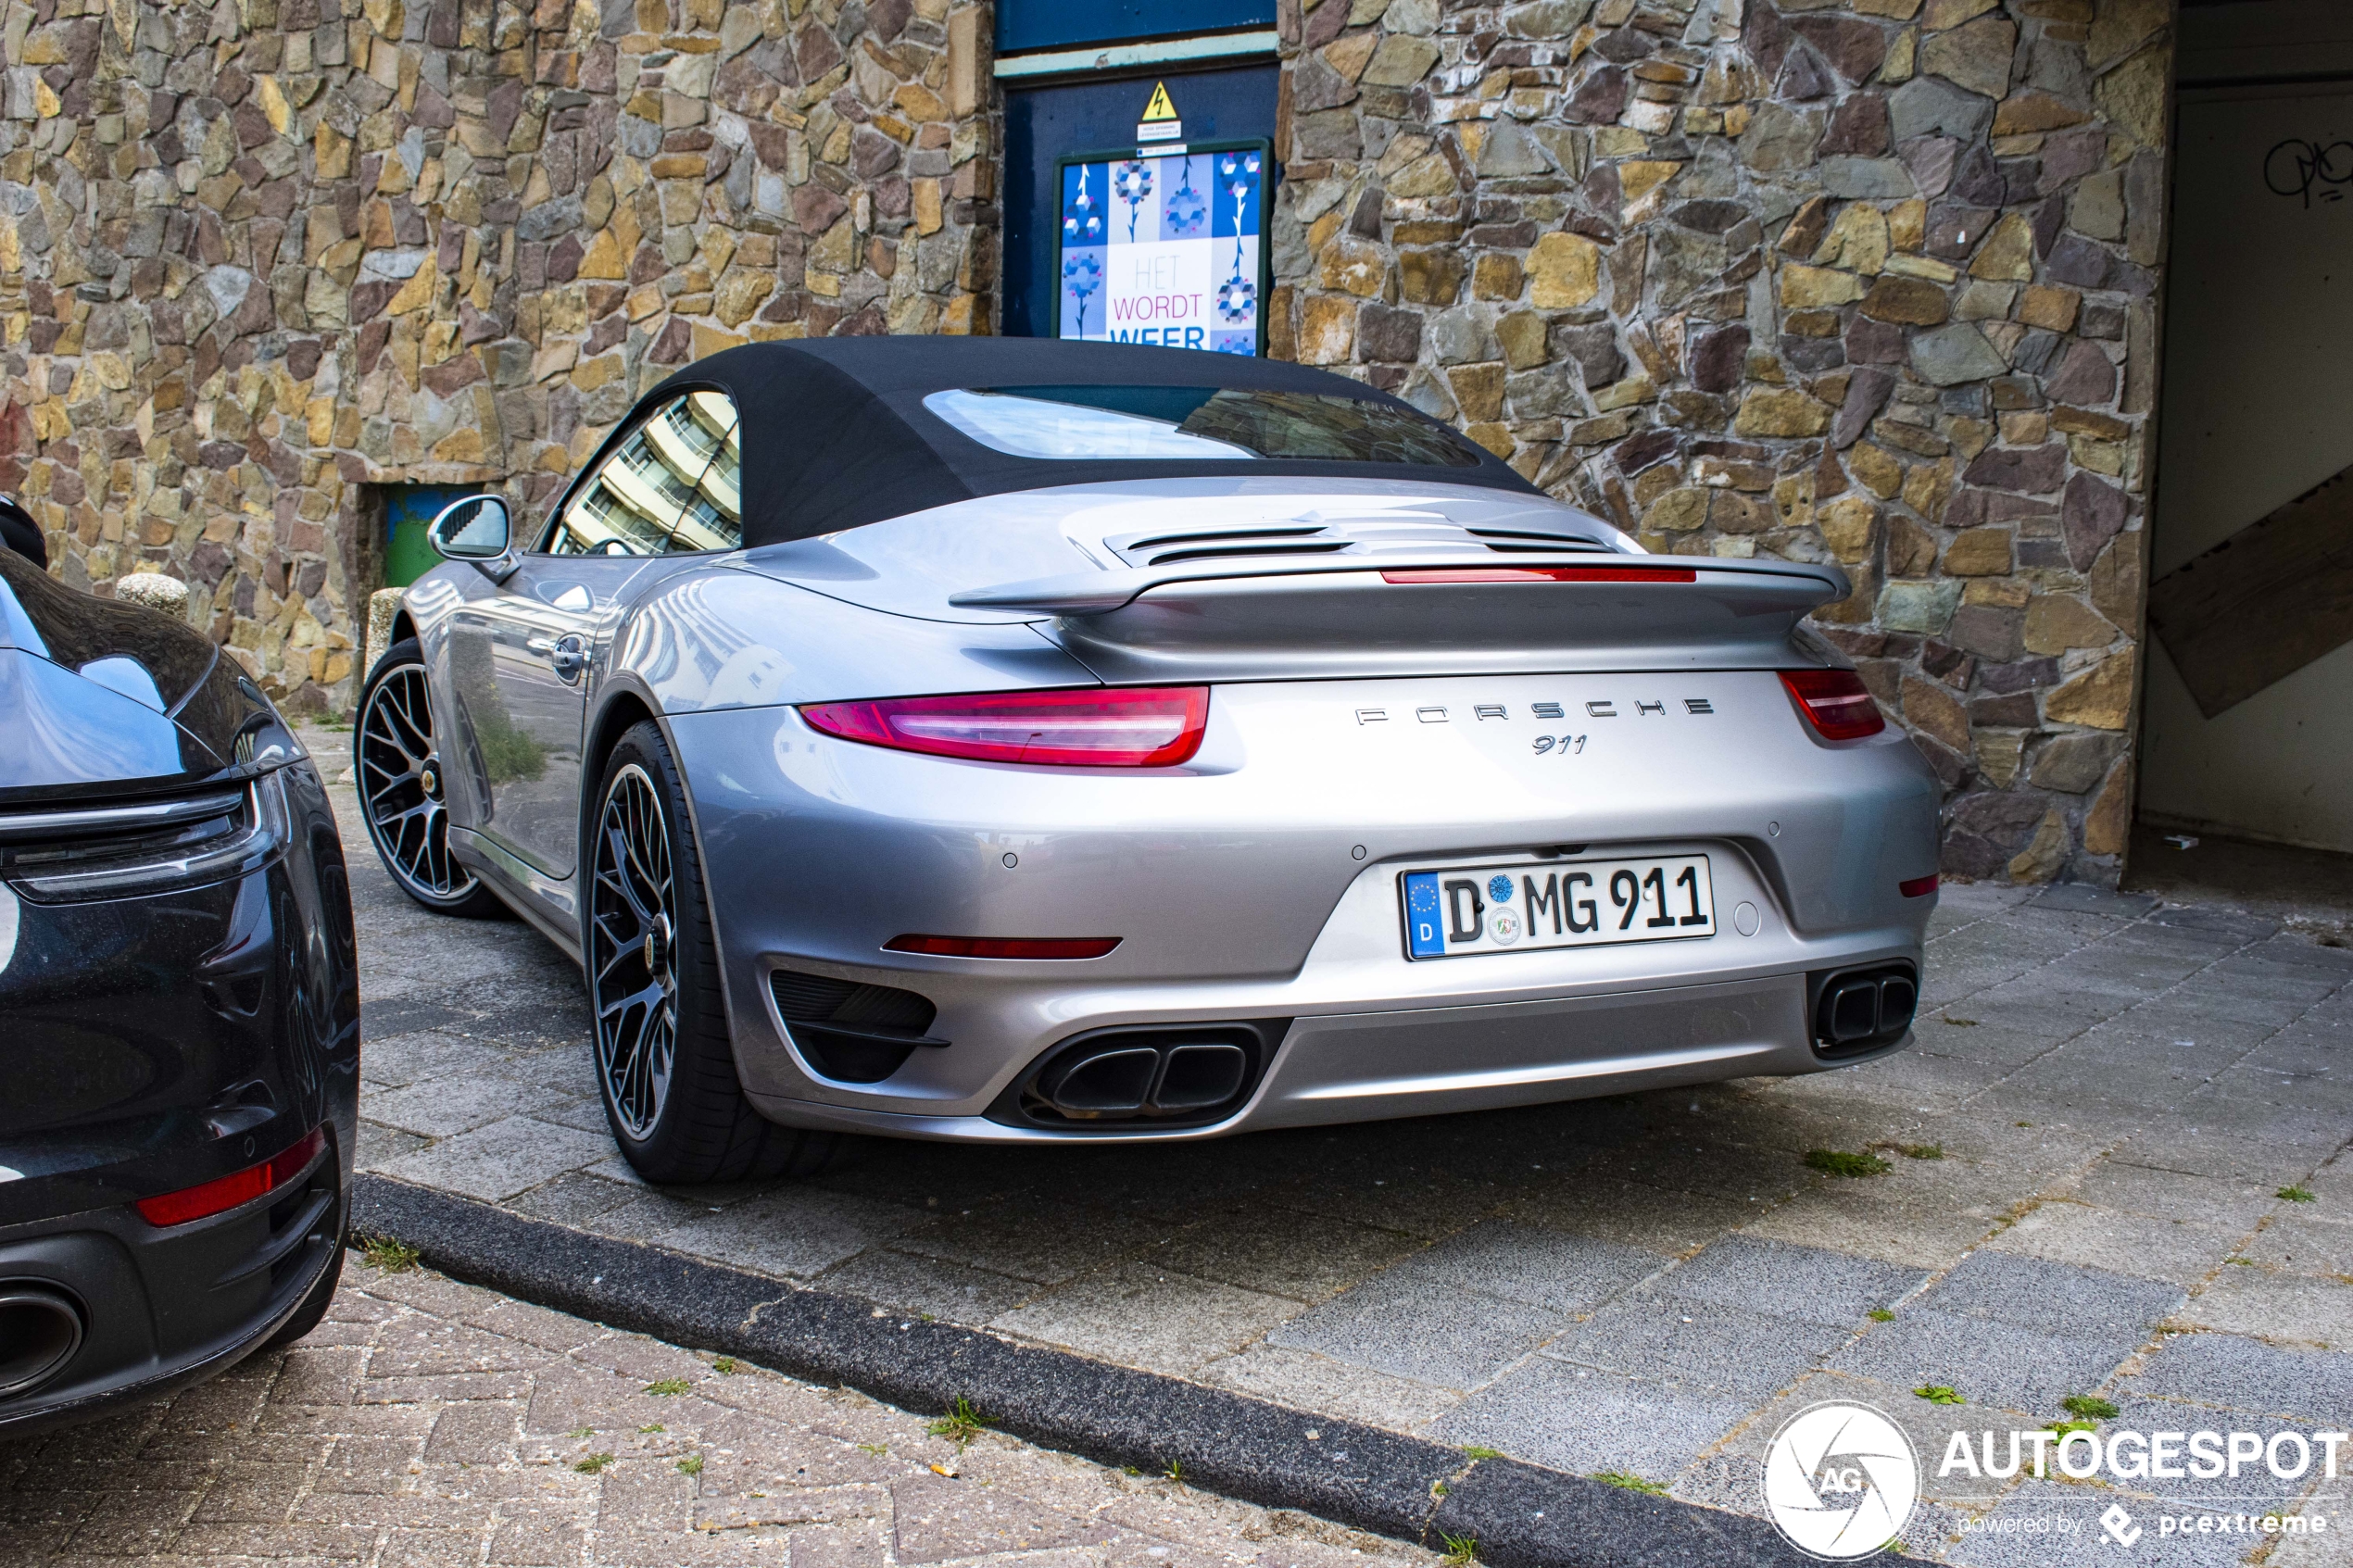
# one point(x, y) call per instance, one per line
point(1840, 1481)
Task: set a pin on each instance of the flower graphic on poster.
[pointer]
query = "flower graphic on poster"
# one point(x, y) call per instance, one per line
point(1183, 212)
point(1133, 184)
point(1238, 173)
point(1083, 275)
point(1083, 225)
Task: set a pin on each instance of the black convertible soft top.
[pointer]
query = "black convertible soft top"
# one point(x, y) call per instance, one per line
point(835, 432)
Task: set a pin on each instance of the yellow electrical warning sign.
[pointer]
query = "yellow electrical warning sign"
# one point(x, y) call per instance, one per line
point(1160, 108)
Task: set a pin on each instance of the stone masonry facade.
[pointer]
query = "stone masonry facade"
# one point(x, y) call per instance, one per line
point(259, 255)
point(1872, 281)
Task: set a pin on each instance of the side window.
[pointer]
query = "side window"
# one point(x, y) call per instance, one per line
point(655, 495)
point(712, 519)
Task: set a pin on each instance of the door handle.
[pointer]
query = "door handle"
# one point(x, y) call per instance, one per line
point(567, 655)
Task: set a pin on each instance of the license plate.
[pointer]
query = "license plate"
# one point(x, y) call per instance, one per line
point(1556, 904)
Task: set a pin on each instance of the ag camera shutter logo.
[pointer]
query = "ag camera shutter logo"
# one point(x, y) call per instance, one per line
point(1841, 1481)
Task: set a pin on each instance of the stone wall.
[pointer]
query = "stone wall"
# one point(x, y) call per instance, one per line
point(260, 255)
point(1862, 281)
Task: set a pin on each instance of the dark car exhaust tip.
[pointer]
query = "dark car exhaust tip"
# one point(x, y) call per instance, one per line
point(41, 1328)
point(1860, 1010)
point(1168, 1076)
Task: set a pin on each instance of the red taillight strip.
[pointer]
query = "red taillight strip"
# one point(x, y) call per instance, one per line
point(1003, 946)
point(1835, 703)
point(1097, 727)
point(224, 1193)
point(1539, 574)
point(1918, 887)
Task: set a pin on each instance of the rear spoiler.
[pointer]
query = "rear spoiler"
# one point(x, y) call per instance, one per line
point(1102, 593)
point(1342, 616)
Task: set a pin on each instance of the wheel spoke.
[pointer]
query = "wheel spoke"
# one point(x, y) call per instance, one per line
point(630, 901)
point(410, 826)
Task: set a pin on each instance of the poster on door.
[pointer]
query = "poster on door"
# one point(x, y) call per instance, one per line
point(1165, 245)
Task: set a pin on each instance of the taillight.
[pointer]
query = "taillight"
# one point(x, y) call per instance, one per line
point(1106, 727)
point(1539, 574)
point(224, 1193)
point(1918, 887)
point(1835, 702)
point(1003, 946)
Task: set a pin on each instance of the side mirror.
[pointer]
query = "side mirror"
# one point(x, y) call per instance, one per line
point(476, 528)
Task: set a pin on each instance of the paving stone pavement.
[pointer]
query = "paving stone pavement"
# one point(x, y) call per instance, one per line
point(427, 1422)
point(2086, 1151)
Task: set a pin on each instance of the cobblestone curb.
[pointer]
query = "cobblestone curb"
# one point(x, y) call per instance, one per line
point(1522, 1516)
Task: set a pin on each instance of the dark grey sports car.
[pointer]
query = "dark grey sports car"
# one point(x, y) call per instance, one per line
point(1016, 740)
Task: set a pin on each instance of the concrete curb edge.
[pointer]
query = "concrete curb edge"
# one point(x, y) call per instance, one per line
point(1522, 1515)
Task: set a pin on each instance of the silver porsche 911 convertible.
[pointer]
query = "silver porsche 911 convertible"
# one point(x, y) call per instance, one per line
point(1009, 740)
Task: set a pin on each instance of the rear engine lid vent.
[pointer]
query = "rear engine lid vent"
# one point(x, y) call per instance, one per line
point(1517, 541)
point(1315, 533)
point(849, 1032)
point(1165, 549)
point(1156, 1076)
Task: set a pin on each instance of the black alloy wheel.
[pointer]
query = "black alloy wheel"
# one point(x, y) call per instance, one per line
point(403, 789)
point(665, 1064)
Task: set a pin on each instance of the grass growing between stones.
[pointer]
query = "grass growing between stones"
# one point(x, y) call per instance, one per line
point(669, 1385)
point(1880, 1314)
point(1473, 1451)
point(387, 1255)
point(691, 1465)
point(1939, 1394)
point(1630, 1483)
point(592, 1464)
point(1460, 1550)
point(1839, 1162)
point(2296, 1195)
point(960, 1425)
point(2090, 1407)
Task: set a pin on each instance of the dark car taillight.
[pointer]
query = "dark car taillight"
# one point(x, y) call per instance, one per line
point(1102, 727)
point(1835, 703)
point(224, 1193)
point(71, 854)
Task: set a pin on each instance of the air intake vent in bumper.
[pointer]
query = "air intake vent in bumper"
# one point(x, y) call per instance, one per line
point(1154, 1076)
point(848, 1032)
point(1860, 1010)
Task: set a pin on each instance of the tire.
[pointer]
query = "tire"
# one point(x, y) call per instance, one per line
point(314, 1306)
point(665, 1064)
point(397, 767)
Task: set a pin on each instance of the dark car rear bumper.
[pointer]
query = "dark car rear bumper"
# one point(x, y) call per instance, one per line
point(163, 1308)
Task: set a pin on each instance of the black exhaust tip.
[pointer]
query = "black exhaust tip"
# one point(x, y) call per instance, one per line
point(41, 1328)
point(1109, 1083)
point(1168, 1076)
point(1860, 1010)
point(1200, 1074)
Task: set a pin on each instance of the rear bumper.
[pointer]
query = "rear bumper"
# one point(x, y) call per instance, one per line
point(1419, 1061)
point(161, 1309)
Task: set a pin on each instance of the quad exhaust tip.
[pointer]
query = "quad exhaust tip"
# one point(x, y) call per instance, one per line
point(1863, 1010)
point(41, 1328)
point(1168, 1075)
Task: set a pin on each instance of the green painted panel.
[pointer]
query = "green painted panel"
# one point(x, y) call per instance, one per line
point(409, 511)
